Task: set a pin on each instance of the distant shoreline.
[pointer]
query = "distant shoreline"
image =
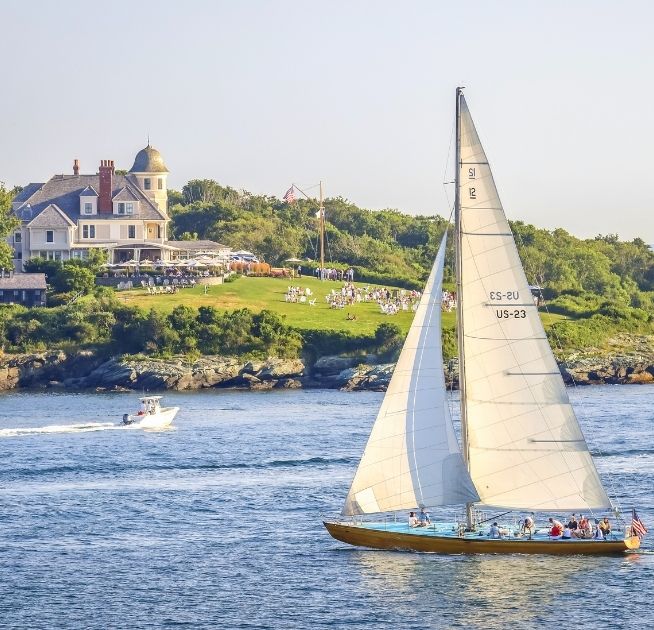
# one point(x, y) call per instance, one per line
point(85, 371)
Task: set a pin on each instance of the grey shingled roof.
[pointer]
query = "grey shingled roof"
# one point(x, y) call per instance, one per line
point(89, 191)
point(125, 194)
point(23, 281)
point(196, 245)
point(64, 191)
point(27, 192)
point(51, 217)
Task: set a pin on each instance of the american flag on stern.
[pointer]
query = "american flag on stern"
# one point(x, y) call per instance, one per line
point(289, 196)
point(637, 527)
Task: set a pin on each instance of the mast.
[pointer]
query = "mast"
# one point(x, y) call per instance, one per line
point(459, 297)
point(322, 235)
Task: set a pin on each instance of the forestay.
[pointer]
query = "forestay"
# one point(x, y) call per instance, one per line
point(412, 457)
point(526, 449)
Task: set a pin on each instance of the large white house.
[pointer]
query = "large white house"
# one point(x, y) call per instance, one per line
point(126, 215)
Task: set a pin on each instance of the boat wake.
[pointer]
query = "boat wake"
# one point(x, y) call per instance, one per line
point(59, 428)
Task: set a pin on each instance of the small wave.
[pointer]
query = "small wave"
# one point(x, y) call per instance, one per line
point(283, 463)
point(59, 428)
point(623, 453)
point(276, 463)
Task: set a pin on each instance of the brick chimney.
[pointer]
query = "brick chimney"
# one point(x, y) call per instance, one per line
point(106, 172)
point(76, 167)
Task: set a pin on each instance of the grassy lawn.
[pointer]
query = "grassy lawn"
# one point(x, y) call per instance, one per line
point(268, 293)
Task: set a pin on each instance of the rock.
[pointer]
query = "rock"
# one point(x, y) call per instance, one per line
point(281, 368)
point(334, 364)
point(263, 385)
point(640, 377)
point(252, 367)
point(289, 383)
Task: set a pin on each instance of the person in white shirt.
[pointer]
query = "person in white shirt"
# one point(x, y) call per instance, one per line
point(413, 521)
point(494, 531)
point(567, 532)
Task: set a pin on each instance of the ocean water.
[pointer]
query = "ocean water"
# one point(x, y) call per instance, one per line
point(216, 523)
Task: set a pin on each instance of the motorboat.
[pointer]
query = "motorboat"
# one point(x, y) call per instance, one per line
point(151, 414)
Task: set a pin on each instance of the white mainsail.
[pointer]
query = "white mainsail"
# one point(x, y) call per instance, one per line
point(525, 447)
point(412, 457)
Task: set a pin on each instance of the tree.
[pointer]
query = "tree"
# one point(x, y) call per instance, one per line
point(8, 223)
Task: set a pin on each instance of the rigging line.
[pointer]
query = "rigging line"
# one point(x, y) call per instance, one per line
point(447, 162)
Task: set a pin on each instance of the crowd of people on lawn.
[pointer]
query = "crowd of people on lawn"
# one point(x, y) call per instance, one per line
point(390, 301)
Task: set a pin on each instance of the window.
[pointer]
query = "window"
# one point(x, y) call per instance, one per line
point(121, 208)
point(129, 208)
point(159, 231)
point(131, 231)
point(160, 183)
point(18, 237)
point(147, 183)
point(49, 236)
point(88, 208)
point(88, 231)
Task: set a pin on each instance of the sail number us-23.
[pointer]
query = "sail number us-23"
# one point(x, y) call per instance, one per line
point(507, 296)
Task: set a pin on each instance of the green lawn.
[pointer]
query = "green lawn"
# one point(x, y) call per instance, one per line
point(268, 293)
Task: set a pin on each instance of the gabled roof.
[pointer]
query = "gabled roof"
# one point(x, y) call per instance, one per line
point(64, 191)
point(125, 194)
point(89, 191)
point(23, 281)
point(51, 217)
point(27, 192)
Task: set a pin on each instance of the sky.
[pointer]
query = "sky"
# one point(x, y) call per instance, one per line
point(359, 94)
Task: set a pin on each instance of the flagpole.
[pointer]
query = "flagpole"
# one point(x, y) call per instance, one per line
point(322, 235)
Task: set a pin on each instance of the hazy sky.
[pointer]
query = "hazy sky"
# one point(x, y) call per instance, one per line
point(260, 94)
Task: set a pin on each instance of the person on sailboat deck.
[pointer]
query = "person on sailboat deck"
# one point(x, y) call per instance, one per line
point(557, 528)
point(423, 518)
point(605, 526)
point(413, 521)
point(567, 532)
point(494, 531)
point(572, 523)
point(598, 533)
point(584, 530)
point(528, 525)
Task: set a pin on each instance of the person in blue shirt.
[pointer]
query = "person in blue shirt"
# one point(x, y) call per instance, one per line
point(423, 518)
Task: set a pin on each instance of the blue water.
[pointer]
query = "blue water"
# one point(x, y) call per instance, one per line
point(216, 522)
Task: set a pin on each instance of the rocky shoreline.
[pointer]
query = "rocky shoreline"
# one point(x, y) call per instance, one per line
point(86, 370)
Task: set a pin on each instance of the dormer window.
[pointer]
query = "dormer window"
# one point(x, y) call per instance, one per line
point(129, 208)
point(160, 183)
point(88, 202)
point(147, 184)
point(121, 208)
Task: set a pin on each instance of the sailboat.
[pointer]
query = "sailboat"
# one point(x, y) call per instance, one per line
point(522, 450)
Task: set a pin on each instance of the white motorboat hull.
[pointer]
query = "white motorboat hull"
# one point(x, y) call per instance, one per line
point(163, 418)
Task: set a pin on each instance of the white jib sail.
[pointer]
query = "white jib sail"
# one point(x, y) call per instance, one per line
point(412, 457)
point(526, 449)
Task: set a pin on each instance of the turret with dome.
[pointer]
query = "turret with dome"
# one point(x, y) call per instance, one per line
point(151, 174)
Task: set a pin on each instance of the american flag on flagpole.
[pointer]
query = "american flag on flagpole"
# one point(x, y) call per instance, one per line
point(289, 196)
point(637, 527)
